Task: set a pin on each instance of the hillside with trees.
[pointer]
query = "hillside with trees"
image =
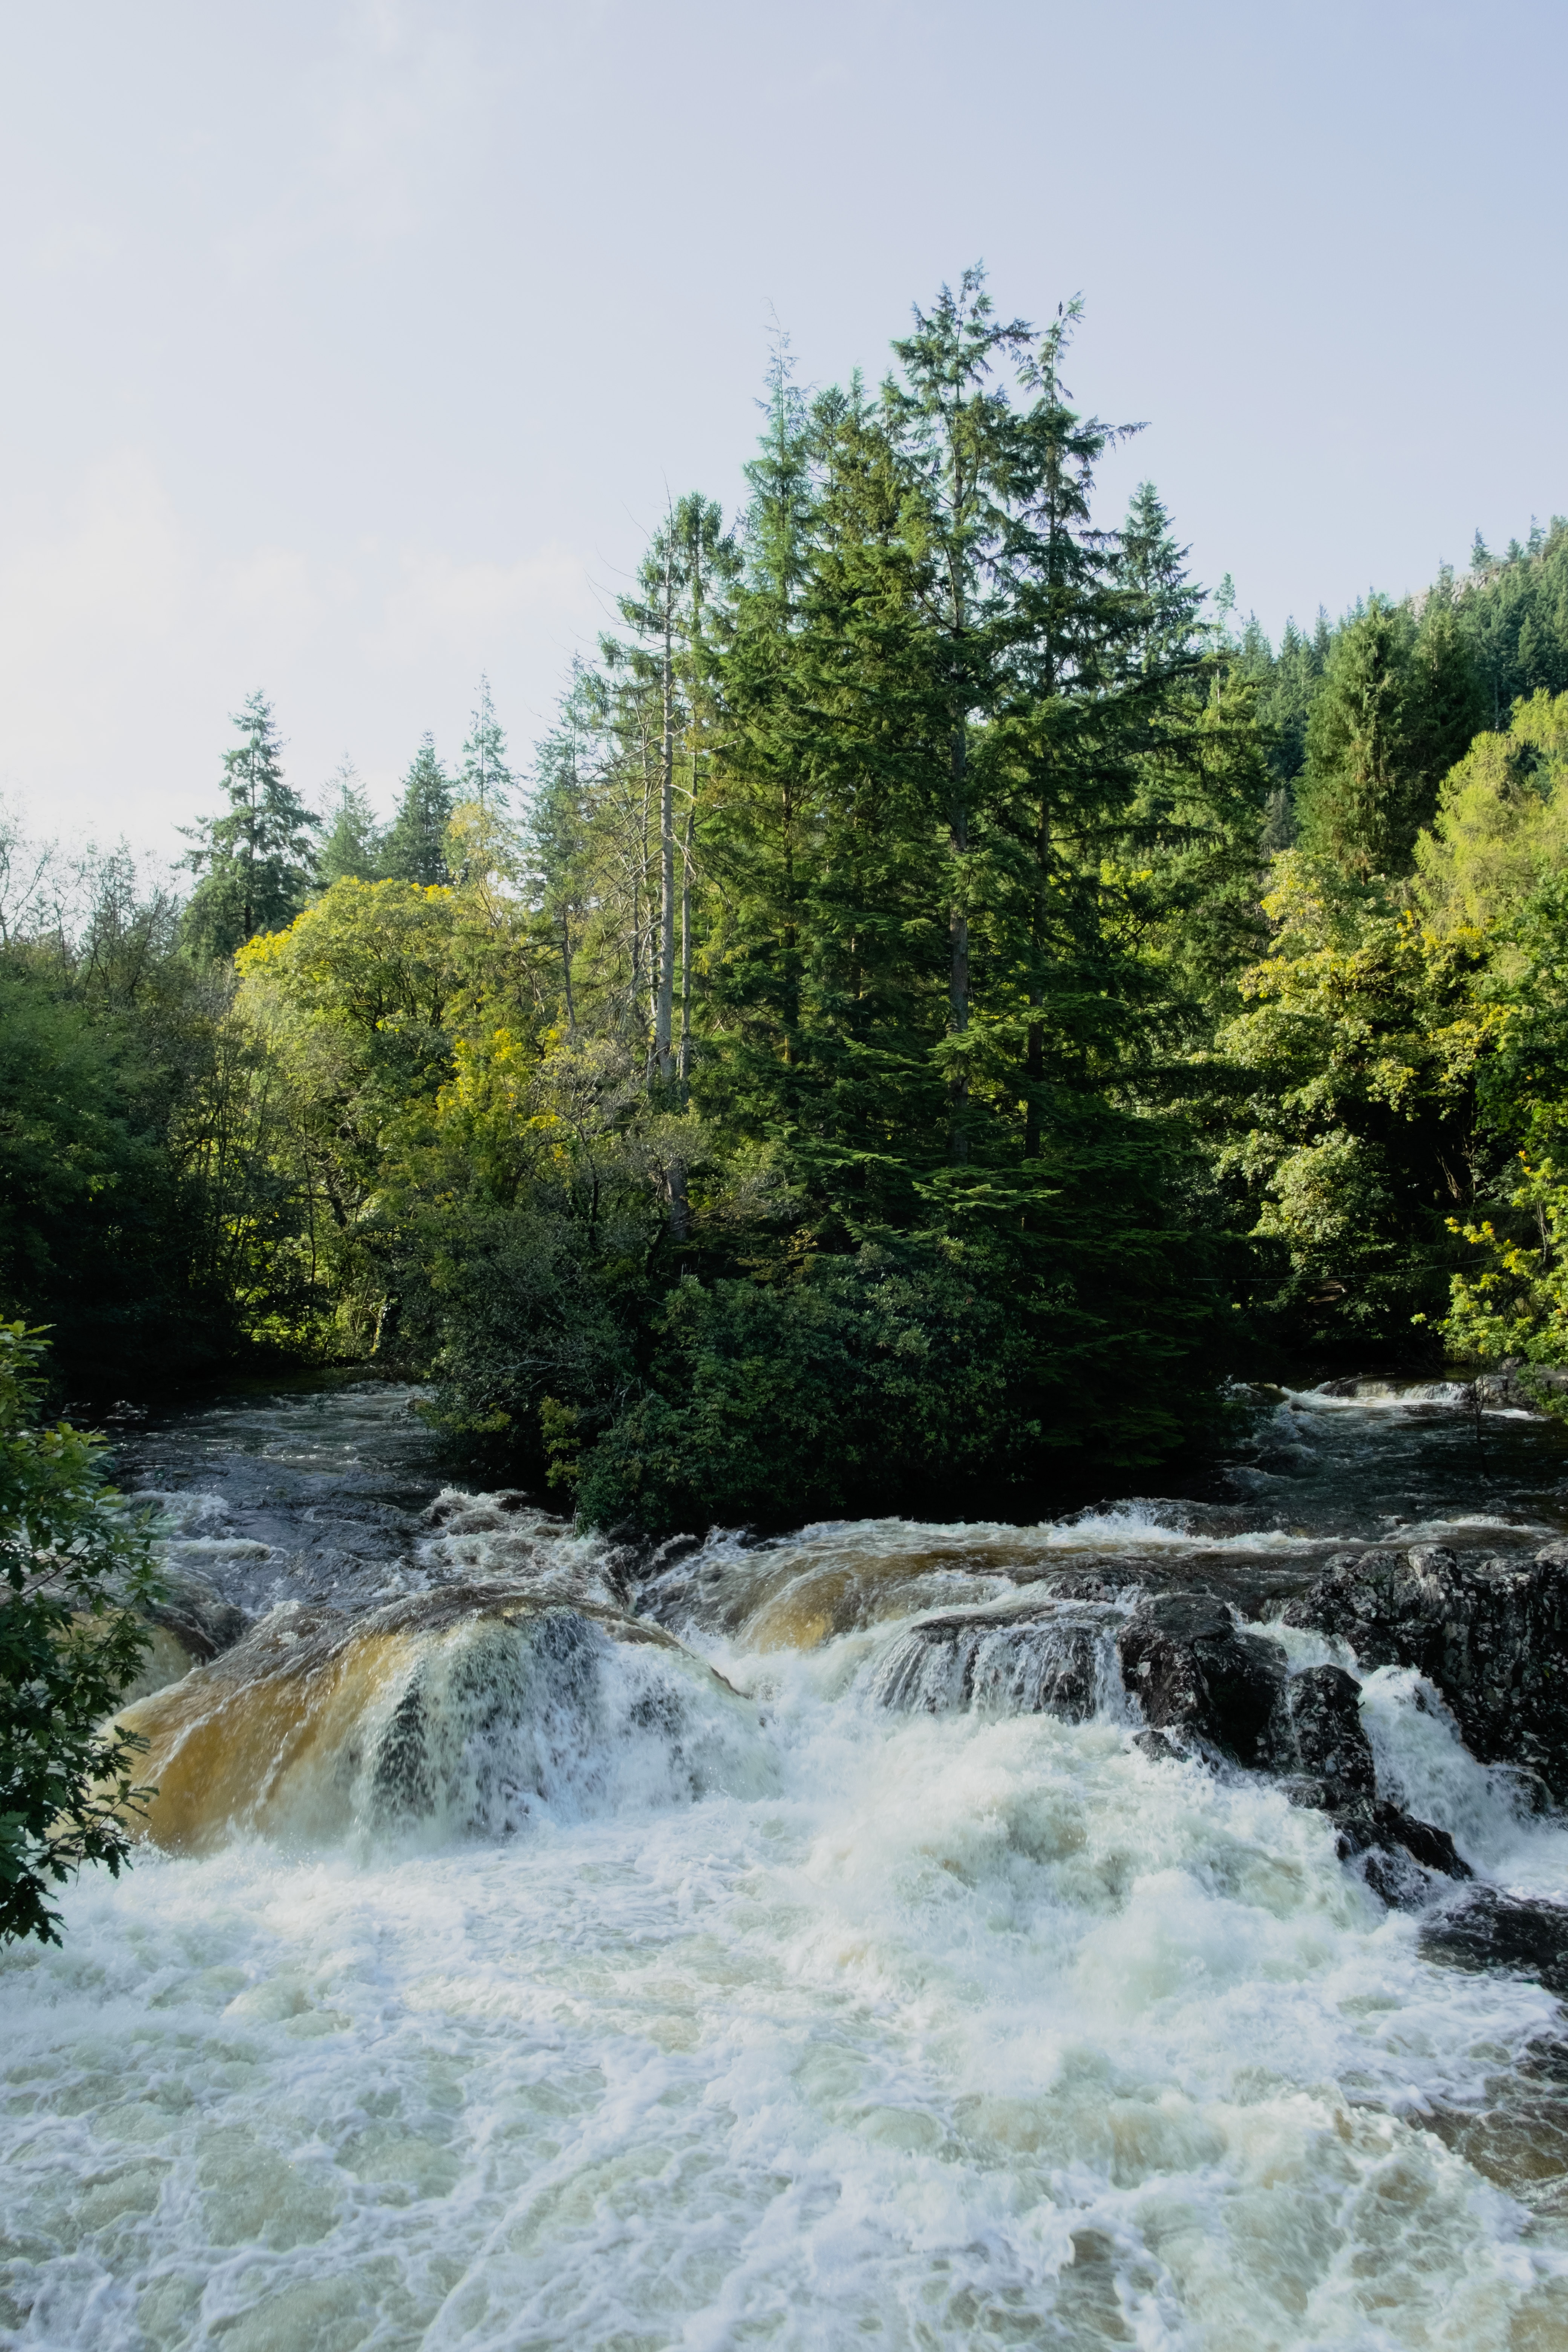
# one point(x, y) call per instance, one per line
point(937, 1009)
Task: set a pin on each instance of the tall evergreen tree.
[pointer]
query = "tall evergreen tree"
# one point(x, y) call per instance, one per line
point(1151, 565)
point(1358, 800)
point(352, 845)
point(690, 557)
point(254, 863)
point(484, 775)
point(1447, 698)
point(414, 849)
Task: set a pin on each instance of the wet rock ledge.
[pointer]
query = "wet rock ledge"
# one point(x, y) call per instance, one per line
point(1491, 1634)
point(1493, 1637)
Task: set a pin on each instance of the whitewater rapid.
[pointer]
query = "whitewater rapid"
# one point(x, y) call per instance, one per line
point(758, 1993)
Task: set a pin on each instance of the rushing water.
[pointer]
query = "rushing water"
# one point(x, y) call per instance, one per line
point(815, 1961)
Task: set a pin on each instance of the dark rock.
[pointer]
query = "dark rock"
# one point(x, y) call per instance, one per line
point(201, 1621)
point(1195, 1671)
point(1493, 1638)
point(1322, 1711)
point(1167, 1748)
point(1503, 1931)
point(1399, 1855)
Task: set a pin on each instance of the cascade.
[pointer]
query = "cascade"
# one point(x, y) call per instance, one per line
point(827, 1938)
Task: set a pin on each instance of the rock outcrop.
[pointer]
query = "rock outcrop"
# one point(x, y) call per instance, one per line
point(1196, 1672)
point(1208, 1684)
point(1493, 1638)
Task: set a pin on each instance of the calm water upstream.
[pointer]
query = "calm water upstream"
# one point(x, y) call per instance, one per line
point(509, 1978)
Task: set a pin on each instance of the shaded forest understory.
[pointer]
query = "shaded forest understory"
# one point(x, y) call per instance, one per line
point(936, 1010)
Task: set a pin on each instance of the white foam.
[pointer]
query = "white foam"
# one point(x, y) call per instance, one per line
point(949, 2031)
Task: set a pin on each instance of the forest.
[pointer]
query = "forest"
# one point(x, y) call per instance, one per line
point(945, 1003)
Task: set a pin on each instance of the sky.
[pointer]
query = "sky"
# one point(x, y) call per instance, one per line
point(355, 346)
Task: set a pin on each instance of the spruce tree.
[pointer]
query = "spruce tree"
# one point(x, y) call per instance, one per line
point(254, 863)
point(484, 775)
point(414, 849)
point(1151, 565)
point(351, 847)
point(1446, 701)
point(1358, 801)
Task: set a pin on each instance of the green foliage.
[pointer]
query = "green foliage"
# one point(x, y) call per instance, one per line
point(112, 1051)
point(75, 1570)
point(1348, 1108)
point(255, 862)
point(1514, 616)
point(1511, 1299)
point(415, 847)
point(1501, 826)
point(351, 845)
point(873, 1381)
point(484, 775)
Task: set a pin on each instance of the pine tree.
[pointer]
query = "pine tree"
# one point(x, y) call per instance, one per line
point(414, 849)
point(484, 775)
point(1151, 565)
point(351, 847)
point(254, 861)
point(1446, 703)
point(1359, 795)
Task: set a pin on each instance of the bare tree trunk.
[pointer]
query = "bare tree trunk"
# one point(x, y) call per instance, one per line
point(566, 976)
point(664, 1021)
point(1034, 1050)
point(685, 1067)
point(958, 987)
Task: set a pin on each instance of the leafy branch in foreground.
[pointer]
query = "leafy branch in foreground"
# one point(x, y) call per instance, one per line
point(76, 1570)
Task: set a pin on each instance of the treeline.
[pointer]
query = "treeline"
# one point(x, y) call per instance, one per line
point(938, 1009)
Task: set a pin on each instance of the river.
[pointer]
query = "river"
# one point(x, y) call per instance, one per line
point(757, 1970)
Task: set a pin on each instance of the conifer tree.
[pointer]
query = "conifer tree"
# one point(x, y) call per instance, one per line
point(1151, 565)
point(688, 557)
point(1446, 701)
point(254, 863)
point(484, 775)
point(1356, 801)
point(414, 849)
point(351, 847)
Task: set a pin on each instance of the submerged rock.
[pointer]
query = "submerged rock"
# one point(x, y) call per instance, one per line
point(1493, 1638)
point(1035, 1659)
point(1398, 1855)
point(201, 1620)
point(1494, 1930)
point(470, 1708)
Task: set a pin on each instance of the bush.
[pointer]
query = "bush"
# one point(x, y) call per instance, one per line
point(75, 1569)
point(868, 1380)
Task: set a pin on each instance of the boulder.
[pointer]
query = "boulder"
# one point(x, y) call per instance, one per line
point(1503, 1931)
point(1196, 1672)
point(1204, 1680)
point(1493, 1637)
point(1321, 1719)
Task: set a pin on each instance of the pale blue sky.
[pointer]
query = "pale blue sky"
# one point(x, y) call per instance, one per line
point(352, 345)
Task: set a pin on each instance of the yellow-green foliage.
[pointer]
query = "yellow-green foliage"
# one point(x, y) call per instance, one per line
point(1501, 823)
point(1358, 1051)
